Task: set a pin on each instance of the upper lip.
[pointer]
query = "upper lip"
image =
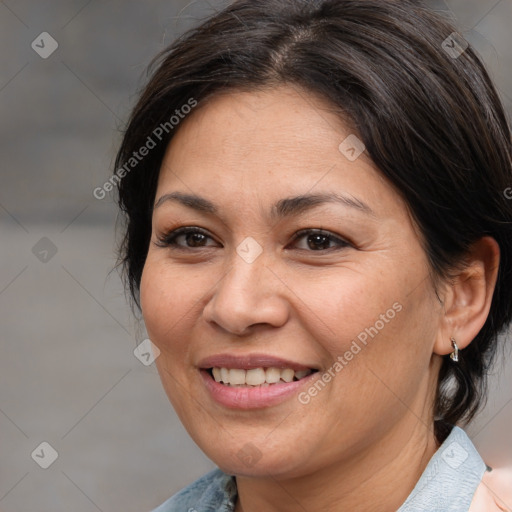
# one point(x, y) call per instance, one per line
point(249, 361)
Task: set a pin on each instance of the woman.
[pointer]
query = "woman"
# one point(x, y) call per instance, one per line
point(319, 241)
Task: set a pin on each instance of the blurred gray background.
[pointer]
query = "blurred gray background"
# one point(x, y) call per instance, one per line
point(68, 375)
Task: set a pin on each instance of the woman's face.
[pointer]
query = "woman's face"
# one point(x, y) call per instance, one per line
point(302, 257)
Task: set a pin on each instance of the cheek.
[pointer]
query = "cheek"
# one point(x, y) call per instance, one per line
point(172, 298)
point(386, 365)
point(371, 325)
point(164, 309)
point(347, 305)
point(163, 303)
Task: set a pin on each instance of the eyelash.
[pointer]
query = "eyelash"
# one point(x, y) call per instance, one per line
point(168, 240)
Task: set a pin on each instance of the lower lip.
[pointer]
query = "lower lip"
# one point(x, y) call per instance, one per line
point(252, 397)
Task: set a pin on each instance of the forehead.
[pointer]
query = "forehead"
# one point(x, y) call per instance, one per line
point(283, 120)
point(272, 143)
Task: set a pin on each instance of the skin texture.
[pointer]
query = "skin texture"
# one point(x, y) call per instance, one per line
point(494, 494)
point(303, 301)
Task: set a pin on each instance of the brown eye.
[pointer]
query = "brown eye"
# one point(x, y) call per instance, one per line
point(318, 240)
point(194, 239)
point(185, 238)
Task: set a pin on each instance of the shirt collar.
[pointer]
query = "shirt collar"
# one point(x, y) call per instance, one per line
point(450, 478)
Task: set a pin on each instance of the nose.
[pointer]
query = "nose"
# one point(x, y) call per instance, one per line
point(249, 295)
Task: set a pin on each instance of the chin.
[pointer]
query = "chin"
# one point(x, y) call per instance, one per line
point(249, 461)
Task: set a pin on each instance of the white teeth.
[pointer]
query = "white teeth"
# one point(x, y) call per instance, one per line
point(257, 376)
point(236, 376)
point(273, 375)
point(287, 375)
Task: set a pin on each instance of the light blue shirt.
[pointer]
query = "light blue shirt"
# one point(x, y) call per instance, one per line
point(447, 484)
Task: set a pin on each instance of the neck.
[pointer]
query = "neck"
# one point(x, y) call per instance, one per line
point(378, 480)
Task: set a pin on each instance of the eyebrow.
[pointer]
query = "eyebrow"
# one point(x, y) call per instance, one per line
point(283, 208)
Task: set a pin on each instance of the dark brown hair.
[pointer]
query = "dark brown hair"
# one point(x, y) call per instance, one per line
point(429, 116)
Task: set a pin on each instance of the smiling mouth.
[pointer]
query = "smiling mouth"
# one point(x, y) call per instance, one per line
point(257, 377)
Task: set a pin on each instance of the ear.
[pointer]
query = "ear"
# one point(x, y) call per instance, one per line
point(467, 297)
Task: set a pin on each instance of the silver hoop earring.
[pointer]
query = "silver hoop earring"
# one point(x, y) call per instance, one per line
point(455, 354)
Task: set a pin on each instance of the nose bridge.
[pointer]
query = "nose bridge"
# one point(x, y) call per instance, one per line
point(248, 278)
point(246, 281)
point(248, 294)
point(248, 267)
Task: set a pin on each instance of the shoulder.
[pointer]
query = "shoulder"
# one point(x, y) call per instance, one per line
point(214, 491)
point(494, 494)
